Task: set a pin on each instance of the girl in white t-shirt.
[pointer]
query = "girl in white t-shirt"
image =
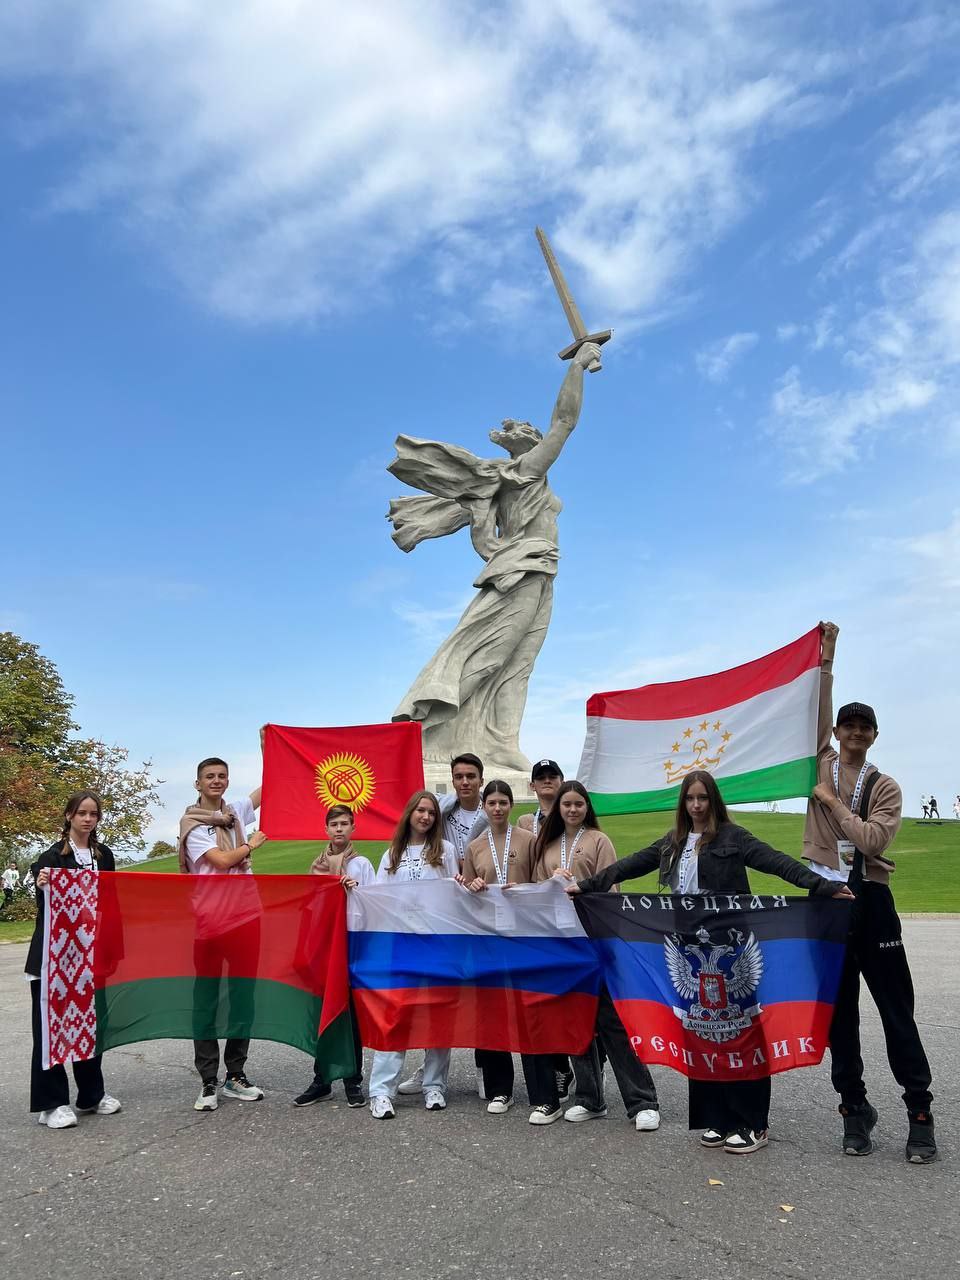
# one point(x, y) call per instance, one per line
point(417, 852)
point(342, 860)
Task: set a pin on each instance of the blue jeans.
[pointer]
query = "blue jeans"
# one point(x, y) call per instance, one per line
point(388, 1068)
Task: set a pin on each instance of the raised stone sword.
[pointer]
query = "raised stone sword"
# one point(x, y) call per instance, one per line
point(574, 318)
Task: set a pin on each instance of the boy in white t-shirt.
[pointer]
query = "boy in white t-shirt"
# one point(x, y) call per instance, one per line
point(214, 842)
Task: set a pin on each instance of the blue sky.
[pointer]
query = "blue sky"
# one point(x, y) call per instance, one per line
point(244, 247)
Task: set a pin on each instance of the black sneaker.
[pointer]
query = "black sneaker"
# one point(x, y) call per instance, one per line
point(317, 1092)
point(564, 1081)
point(921, 1145)
point(354, 1094)
point(858, 1123)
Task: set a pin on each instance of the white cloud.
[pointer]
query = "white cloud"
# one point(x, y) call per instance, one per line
point(827, 218)
point(937, 557)
point(900, 356)
point(282, 159)
point(715, 360)
point(926, 151)
point(428, 627)
point(825, 432)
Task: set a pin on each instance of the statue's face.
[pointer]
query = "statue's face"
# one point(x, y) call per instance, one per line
point(516, 437)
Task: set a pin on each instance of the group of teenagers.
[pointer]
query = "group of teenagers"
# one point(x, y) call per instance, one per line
point(467, 836)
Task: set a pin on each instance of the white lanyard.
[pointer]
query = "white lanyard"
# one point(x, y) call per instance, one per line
point(459, 836)
point(501, 871)
point(855, 798)
point(536, 824)
point(564, 860)
point(415, 868)
point(84, 866)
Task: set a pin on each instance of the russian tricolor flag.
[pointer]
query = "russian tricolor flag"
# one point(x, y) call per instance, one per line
point(435, 966)
point(721, 986)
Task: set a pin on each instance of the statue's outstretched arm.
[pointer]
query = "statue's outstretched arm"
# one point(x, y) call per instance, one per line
point(566, 414)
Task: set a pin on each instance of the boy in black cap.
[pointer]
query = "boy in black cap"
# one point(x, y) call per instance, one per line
point(545, 779)
point(852, 819)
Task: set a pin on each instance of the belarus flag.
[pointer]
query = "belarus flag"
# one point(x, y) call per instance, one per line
point(132, 956)
point(373, 768)
point(433, 965)
point(754, 728)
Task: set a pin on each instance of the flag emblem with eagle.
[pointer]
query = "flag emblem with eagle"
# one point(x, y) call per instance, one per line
point(715, 979)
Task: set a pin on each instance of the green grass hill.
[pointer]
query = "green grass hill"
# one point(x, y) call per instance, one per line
point(927, 854)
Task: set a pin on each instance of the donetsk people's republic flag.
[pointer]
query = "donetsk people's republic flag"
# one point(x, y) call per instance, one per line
point(754, 728)
point(373, 768)
point(132, 956)
point(721, 986)
point(433, 964)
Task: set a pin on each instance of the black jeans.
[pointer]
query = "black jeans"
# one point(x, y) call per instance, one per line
point(540, 1077)
point(210, 955)
point(728, 1105)
point(875, 950)
point(319, 1063)
point(497, 1068)
point(634, 1080)
point(50, 1089)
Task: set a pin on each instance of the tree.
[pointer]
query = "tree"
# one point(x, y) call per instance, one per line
point(162, 849)
point(40, 764)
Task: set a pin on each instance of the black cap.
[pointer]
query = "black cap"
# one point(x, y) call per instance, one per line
point(858, 711)
point(544, 767)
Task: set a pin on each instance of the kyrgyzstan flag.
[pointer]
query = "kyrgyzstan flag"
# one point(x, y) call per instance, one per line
point(373, 768)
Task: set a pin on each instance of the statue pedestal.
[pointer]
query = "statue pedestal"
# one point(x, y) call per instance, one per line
point(436, 778)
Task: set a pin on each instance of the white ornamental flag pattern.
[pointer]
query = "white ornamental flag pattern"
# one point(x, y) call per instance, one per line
point(68, 1008)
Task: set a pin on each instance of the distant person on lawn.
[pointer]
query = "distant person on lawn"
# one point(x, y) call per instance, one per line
point(214, 842)
point(11, 883)
point(852, 819)
point(934, 811)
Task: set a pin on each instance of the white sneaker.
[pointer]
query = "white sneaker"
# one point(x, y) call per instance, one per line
point(647, 1121)
point(414, 1084)
point(544, 1114)
point(382, 1109)
point(207, 1099)
point(58, 1118)
point(500, 1105)
point(434, 1100)
point(583, 1113)
point(107, 1106)
point(239, 1087)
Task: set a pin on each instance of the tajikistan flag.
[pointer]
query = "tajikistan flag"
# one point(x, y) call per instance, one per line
point(753, 727)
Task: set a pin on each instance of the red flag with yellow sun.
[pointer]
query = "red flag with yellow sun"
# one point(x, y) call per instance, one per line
point(373, 768)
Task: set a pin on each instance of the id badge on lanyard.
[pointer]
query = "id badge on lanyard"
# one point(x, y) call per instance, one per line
point(846, 849)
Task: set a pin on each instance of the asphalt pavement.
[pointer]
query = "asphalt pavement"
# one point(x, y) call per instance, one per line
point(264, 1190)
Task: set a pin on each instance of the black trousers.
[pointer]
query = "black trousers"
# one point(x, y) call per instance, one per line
point(497, 1068)
point(319, 1065)
point(725, 1106)
point(231, 950)
point(50, 1089)
point(875, 950)
point(634, 1080)
point(540, 1077)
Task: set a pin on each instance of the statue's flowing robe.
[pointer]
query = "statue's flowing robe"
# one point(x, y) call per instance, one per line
point(472, 692)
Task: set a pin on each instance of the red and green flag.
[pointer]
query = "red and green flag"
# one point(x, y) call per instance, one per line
point(373, 768)
point(152, 957)
point(754, 728)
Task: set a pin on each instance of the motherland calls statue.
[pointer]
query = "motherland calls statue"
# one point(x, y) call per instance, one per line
point(471, 694)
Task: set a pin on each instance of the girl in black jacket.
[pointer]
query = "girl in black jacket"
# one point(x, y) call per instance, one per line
point(707, 853)
point(77, 847)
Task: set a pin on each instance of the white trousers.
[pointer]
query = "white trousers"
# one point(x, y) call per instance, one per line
point(388, 1068)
